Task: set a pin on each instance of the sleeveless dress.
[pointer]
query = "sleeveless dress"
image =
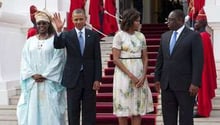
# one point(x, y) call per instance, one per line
point(127, 99)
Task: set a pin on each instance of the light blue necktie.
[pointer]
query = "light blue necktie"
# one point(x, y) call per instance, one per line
point(173, 41)
point(81, 42)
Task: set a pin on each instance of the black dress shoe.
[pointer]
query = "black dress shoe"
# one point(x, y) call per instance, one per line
point(195, 115)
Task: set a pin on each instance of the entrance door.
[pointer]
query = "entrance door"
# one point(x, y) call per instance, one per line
point(154, 11)
point(166, 6)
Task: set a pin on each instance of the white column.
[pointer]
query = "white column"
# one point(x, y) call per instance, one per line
point(146, 11)
point(14, 22)
point(212, 8)
point(12, 40)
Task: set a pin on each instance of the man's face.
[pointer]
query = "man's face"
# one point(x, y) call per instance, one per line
point(173, 22)
point(79, 20)
point(199, 24)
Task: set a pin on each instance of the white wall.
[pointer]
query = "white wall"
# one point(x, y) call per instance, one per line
point(146, 11)
point(212, 7)
point(14, 22)
point(12, 38)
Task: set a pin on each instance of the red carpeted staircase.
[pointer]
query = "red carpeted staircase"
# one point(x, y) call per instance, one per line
point(104, 97)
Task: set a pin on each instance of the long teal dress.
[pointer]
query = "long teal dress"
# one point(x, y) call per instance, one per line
point(41, 103)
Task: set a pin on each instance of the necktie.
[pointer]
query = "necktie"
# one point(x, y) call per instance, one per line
point(81, 42)
point(173, 41)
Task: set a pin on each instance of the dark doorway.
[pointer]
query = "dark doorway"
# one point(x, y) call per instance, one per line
point(159, 9)
point(166, 6)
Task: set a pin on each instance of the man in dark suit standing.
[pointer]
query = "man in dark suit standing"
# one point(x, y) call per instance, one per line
point(178, 70)
point(82, 72)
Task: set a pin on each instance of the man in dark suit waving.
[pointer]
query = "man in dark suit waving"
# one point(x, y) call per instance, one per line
point(82, 72)
point(178, 70)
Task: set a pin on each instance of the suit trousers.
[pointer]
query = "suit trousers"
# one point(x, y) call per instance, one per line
point(81, 99)
point(174, 102)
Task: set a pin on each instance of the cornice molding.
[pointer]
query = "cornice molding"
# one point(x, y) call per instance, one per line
point(12, 18)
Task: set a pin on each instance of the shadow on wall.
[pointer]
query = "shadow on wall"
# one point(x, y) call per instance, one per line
point(0, 3)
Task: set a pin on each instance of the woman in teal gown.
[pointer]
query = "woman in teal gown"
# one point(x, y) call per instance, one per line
point(42, 100)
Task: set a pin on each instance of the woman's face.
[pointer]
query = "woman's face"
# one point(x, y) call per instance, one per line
point(42, 27)
point(136, 24)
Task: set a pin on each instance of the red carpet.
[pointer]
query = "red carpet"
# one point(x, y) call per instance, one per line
point(104, 106)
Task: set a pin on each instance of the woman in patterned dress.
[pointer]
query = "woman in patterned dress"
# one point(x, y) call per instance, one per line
point(131, 94)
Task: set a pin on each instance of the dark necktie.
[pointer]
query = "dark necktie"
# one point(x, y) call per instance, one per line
point(173, 41)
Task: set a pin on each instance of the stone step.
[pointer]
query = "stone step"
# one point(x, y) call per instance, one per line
point(215, 100)
point(14, 100)
point(197, 121)
point(11, 117)
point(105, 57)
point(8, 115)
point(106, 52)
point(214, 113)
point(106, 46)
point(107, 39)
point(8, 122)
point(217, 92)
point(11, 122)
point(214, 118)
point(10, 110)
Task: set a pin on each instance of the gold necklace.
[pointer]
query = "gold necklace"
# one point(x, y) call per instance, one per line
point(40, 44)
point(41, 41)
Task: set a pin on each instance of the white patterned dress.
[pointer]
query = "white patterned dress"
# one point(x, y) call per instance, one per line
point(127, 99)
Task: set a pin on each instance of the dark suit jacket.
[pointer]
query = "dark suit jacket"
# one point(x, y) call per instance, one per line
point(184, 65)
point(91, 59)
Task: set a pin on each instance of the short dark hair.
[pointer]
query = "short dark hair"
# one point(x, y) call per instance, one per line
point(78, 11)
point(128, 17)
